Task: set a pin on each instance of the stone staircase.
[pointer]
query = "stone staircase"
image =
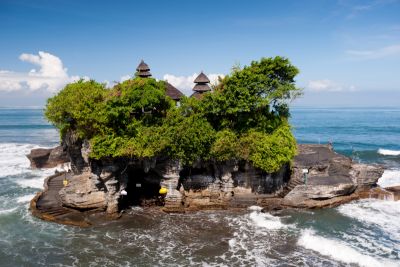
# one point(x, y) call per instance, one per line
point(48, 205)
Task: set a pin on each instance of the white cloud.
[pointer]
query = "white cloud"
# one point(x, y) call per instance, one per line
point(125, 77)
point(50, 74)
point(328, 86)
point(387, 51)
point(185, 83)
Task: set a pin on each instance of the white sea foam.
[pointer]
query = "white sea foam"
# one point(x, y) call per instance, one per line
point(338, 250)
point(266, 220)
point(7, 211)
point(12, 158)
point(31, 183)
point(26, 198)
point(390, 178)
point(13, 162)
point(255, 208)
point(388, 152)
point(381, 213)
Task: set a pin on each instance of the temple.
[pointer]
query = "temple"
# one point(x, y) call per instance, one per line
point(143, 71)
point(201, 83)
point(201, 86)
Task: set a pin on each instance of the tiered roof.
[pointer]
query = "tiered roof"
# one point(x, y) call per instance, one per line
point(143, 70)
point(201, 85)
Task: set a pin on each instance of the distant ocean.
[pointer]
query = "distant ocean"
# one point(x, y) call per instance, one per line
point(362, 233)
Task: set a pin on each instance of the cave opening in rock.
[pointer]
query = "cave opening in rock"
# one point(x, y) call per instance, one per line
point(196, 178)
point(142, 188)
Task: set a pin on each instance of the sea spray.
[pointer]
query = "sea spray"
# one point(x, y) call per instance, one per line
point(381, 213)
point(338, 250)
point(390, 177)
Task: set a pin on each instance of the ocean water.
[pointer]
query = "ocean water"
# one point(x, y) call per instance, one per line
point(361, 233)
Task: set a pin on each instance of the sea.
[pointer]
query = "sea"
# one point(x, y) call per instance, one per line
point(360, 233)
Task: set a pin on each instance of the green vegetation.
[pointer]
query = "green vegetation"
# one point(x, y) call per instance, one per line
point(244, 118)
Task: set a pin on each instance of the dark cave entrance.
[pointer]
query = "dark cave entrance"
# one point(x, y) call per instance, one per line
point(142, 189)
point(196, 178)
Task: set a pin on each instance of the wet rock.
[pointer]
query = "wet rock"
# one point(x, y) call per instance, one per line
point(395, 192)
point(319, 190)
point(365, 176)
point(47, 158)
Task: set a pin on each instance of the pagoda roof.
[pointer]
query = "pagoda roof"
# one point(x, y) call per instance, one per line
point(142, 66)
point(201, 87)
point(143, 74)
point(202, 78)
point(173, 93)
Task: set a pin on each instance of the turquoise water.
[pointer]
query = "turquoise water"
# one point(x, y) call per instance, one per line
point(363, 233)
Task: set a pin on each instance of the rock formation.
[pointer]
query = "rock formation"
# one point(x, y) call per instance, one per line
point(331, 179)
point(328, 177)
point(47, 158)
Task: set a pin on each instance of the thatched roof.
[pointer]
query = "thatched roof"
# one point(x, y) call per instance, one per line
point(202, 78)
point(142, 66)
point(173, 93)
point(201, 88)
point(143, 74)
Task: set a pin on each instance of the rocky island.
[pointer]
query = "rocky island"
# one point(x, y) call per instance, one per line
point(226, 147)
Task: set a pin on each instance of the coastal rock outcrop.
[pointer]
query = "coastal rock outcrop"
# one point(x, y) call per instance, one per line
point(82, 193)
point(365, 176)
point(326, 178)
point(318, 177)
point(47, 157)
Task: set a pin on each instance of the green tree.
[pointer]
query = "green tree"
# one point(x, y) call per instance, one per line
point(255, 96)
point(244, 118)
point(79, 106)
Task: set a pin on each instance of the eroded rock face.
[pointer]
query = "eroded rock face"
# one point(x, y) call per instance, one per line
point(82, 193)
point(300, 195)
point(365, 176)
point(47, 158)
point(331, 179)
point(77, 150)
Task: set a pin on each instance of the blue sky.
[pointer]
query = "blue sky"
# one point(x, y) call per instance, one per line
point(348, 52)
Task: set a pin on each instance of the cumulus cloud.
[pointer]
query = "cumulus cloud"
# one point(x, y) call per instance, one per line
point(49, 74)
point(185, 83)
point(328, 86)
point(125, 77)
point(387, 51)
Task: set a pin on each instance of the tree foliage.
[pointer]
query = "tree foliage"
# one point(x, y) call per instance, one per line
point(244, 118)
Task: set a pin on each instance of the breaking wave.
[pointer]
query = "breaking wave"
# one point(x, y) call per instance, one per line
point(390, 178)
point(338, 250)
point(388, 152)
point(13, 160)
point(266, 220)
point(25, 199)
point(381, 213)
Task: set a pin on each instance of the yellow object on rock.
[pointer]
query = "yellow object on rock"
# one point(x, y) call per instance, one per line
point(65, 182)
point(163, 191)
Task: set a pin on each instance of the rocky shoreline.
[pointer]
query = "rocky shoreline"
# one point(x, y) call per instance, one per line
point(318, 177)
